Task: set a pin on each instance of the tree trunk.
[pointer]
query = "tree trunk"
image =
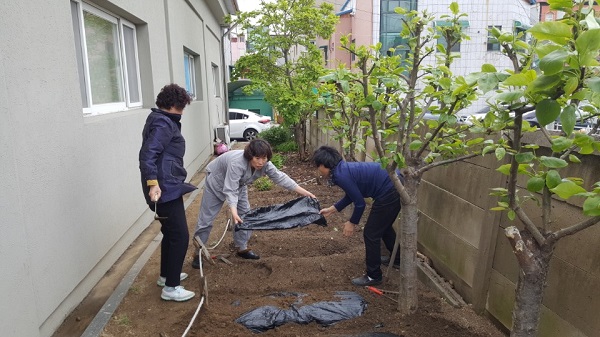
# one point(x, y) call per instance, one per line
point(534, 262)
point(300, 135)
point(407, 297)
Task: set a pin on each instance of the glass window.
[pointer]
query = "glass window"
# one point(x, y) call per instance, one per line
point(107, 60)
point(492, 43)
point(324, 50)
point(189, 67)
point(216, 80)
point(391, 25)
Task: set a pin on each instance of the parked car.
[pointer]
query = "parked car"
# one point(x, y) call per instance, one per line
point(246, 124)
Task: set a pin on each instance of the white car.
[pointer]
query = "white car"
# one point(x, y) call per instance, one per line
point(247, 124)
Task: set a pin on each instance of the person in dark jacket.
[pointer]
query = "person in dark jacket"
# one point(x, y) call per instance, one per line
point(163, 183)
point(361, 180)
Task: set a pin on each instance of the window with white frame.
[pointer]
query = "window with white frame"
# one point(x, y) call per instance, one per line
point(107, 59)
point(216, 79)
point(189, 65)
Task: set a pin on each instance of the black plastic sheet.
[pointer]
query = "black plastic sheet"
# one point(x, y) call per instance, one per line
point(327, 313)
point(295, 213)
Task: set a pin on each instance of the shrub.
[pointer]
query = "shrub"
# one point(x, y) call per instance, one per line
point(263, 184)
point(289, 146)
point(278, 160)
point(276, 135)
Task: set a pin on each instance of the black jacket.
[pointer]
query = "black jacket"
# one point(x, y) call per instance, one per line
point(161, 156)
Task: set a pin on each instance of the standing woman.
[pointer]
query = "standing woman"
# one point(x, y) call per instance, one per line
point(227, 178)
point(163, 182)
point(362, 180)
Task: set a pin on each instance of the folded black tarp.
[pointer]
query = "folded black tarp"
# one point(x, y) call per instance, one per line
point(264, 318)
point(298, 212)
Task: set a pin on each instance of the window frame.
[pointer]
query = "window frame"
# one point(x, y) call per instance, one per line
point(190, 70)
point(216, 79)
point(125, 69)
point(491, 45)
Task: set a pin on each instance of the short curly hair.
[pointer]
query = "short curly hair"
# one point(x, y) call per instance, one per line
point(172, 95)
point(258, 148)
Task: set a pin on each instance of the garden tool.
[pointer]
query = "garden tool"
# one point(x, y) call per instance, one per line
point(382, 292)
point(223, 257)
point(156, 217)
point(202, 249)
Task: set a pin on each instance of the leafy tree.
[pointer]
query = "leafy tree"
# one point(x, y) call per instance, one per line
point(397, 90)
point(344, 104)
point(567, 88)
point(284, 63)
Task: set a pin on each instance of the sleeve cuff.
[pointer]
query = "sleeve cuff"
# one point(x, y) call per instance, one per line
point(151, 182)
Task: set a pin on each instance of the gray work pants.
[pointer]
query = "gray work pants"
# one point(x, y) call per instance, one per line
point(212, 202)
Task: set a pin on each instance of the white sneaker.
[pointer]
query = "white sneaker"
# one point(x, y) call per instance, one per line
point(161, 280)
point(178, 294)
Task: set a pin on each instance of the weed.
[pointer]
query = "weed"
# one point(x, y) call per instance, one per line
point(263, 184)
point(278, 160)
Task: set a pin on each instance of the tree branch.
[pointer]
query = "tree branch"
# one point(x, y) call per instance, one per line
point(444, 162)
point(574, 229)
point(530, 226)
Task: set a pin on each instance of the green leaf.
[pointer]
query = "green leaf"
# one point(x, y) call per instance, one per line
point(568, 119)
point(594, 84)
point(545, 82)
point(488, 68)
point(504, 169)
point(497, 209)
point(509, 96)
point(487, 149)
point(554, 62)
point(524, 157)
point(573, 159)
point(454, 8)
point(555, 31)
point(511, 214)
point(518, 80)
point(552, 162)
point(500, 153)
point(546, 111)
point(377, 105)
point(567, 189)
point(591, 206)
point(415, 145)
point(553, 178)
point(560, 144)
point(588, 43)
point(535, 184)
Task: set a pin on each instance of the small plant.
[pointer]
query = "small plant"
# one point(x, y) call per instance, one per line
point(289, 146)
point(278, 160)
point(123, 320)
point(263, 184)
point(135, 289)
point(277, 135)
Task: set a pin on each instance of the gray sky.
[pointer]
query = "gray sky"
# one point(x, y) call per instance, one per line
point(248, 5)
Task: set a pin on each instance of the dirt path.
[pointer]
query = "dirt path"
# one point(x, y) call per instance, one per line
point(313, 260)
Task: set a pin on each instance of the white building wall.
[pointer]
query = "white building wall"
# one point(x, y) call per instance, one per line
point(473, 53)
point(70, 194)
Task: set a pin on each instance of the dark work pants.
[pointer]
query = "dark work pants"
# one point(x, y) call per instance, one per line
point(175, 240)
point(384, 212)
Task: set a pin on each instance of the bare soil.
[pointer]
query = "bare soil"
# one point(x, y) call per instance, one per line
point(313, 260)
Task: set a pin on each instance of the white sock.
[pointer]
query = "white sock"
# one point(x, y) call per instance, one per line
point(169, 289)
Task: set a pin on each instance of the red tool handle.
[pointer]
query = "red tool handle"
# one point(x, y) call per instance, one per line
point(375, 290)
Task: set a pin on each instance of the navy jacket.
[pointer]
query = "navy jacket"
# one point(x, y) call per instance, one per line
point(161, 156)
point(360, 180)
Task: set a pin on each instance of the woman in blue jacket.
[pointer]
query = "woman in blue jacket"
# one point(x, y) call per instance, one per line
point(362, 180)
point(163, 182)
